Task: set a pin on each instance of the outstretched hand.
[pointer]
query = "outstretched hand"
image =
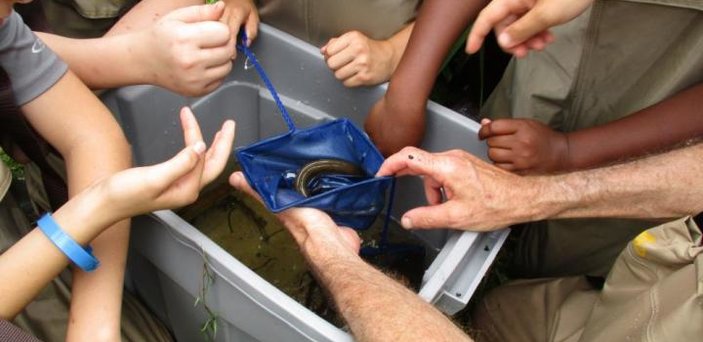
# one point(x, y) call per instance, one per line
point(463, 191)
point(313, 230)
point(525, 145)
point(175, 182)
point(522, 25)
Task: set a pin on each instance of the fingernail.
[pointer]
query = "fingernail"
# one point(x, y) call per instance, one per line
point(406, 222)
point(199, 147)
point(505, 40)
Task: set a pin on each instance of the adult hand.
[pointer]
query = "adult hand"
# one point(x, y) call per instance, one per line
point(358, 60)
point(312, 229)
point(393, 125)
point(173, 183)
point(525, 145)
point(238, 13)
point(463, 191)
point(522, 25)
point(188, 50)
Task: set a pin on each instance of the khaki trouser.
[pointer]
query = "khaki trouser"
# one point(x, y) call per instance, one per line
point(653, 293)
point(84, 18)
point(615, 59)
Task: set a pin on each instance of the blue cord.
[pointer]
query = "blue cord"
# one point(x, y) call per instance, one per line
point(250, 55)
point(291, 126)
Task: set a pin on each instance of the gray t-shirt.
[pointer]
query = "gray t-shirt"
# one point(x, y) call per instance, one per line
point(32, 67)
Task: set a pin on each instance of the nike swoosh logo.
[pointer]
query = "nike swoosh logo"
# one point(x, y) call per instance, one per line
point(38, 46)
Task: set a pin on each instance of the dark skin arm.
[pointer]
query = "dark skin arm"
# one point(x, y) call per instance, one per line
point(528, 146)
point(398, 119)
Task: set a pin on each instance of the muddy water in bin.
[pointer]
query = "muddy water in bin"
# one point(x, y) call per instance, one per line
point(248, 231)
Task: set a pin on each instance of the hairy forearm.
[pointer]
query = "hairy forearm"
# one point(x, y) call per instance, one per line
point(378, 308)
point(660, 186)
point(652, 129)
point(103, 63)
point(438, 25)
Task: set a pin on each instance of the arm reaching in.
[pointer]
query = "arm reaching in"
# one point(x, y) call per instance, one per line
point(398, 118)
point(480, 196)
point(529, 146)
point(187, 51)
point(358, 60)
point(522, 25)
point(173, 183)
point(376, 307)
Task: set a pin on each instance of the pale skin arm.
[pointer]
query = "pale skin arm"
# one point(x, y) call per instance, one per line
point(93, 147)
point(170, 184)
point(376, 307)
point(480, 196)
point(358, 60)
point(187, 51)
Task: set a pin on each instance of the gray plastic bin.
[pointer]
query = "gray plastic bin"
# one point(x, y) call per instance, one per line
point(167, 255)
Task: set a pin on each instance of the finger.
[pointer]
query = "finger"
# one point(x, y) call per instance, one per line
point(335, 45)
point(535, 43)
point(239, 182)
point(433, 216)
point(501, 141)
point(217, 56)
point(354, 81)
point(209, 34)
point(527, 26)
point(433, 191)
point(352, 239)
point(346, 72)
point(164, 174)
point(340, 59)
point(506, 166)
point(191, 129)
point(500, 155)
point(217, 156)
point(194, 14)
point(491, 15)
point(504, 126)
point(252, 27)
point(218, 72)
point(485, 121)
point(414, 161)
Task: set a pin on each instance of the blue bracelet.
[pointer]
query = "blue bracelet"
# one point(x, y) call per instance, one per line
point(82, 257)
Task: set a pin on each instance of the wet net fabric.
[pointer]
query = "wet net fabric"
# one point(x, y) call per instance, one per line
point(272, 165)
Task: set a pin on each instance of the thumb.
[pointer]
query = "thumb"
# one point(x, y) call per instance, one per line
point(434, 216)
point(529, 25)
point(170, 171)
point(194, 14)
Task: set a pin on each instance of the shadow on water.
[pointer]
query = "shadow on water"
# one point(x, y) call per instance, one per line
point(249, 232)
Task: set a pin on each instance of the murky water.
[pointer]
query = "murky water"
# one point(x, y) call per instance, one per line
point(245, 228)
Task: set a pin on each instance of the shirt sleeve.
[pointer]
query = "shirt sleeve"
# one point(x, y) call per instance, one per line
point(32, 67)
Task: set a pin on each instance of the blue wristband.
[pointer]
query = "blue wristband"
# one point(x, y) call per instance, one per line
point(82, 257)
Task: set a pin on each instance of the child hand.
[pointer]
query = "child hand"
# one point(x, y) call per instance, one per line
point(188, 50)
point(525, 145)
point(358, 60)
point(522, 25)
point(175, 182)
point(238, 13)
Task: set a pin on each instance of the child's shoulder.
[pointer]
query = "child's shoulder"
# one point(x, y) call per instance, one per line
point(31, 66)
